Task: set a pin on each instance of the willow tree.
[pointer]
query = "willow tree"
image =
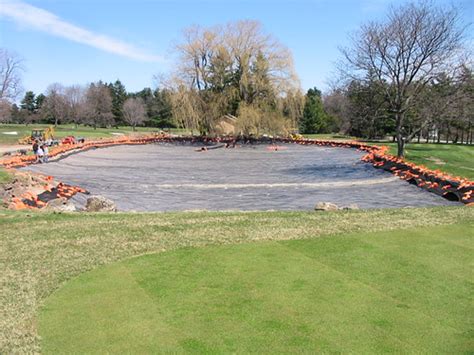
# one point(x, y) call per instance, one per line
point(404, 52)
point(225, 67)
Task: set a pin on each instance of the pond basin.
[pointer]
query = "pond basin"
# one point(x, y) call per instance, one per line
point(169, 177)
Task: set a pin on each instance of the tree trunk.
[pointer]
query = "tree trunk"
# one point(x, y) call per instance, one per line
point(456, 137)
point(469, 134)
point(400, 146)
point(400, 140)
point(419, 137)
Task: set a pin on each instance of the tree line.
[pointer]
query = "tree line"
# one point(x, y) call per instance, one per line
point(442, 112)
point(97, 104)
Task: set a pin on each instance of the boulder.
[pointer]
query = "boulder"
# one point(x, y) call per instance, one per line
point(325, 206)
point(100, 204)
point(60, 204)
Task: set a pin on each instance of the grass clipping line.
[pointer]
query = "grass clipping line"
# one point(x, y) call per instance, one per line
point(39, 252)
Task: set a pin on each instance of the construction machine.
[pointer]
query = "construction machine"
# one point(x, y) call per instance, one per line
point(38, 134)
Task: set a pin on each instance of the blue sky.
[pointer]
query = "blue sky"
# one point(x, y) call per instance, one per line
point(80, 41)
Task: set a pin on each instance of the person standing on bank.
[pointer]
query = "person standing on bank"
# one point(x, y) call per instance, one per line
point(45, 149)
point(39, 155)
point(35, 147)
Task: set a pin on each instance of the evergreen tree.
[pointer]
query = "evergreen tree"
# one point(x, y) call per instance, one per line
point(39, 101)
point(28, 103)
point(314, 117)
point(161, 113)
point(119, 95)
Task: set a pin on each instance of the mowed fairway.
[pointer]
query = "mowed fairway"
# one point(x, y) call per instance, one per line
point(392, 291)
point(454, 159)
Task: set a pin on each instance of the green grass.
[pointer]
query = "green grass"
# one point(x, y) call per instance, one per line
point(41, 252)
point(399, 291)
point(68, 130)
point(4, 177)
point(330, 136)
point(454, 159)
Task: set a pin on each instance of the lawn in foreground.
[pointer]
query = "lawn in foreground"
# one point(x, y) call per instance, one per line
point(40, 252)
point(397, 291)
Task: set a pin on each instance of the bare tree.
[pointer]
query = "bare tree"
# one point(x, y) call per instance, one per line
point(10, 75)
point(76, 102)
point(414, 44)
point(5, 111)
point(99, 105)
point(337, 105)
point(55, 106)
point(134, 111)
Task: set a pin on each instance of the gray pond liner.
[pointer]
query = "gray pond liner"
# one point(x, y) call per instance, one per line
point(169, 177)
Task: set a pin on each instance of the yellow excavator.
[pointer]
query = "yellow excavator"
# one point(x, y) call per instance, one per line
point(38, 134)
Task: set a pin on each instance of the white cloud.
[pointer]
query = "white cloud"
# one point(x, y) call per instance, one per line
point(42, 20)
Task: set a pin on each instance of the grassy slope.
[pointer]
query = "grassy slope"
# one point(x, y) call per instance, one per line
point(457, 160)
point(66, 130)
point(454, 159)
point(398, 291)
point(39, 252)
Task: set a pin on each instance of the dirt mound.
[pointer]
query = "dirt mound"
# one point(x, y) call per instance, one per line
point(31, 190)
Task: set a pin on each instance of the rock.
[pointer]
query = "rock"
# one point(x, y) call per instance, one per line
point(352, 206)
point(325, 206)
point(100, 204)
point(60, 204)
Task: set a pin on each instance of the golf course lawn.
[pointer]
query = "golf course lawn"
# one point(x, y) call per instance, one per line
point(367, 280)
point(454, 159)
point(65, 130)
point(398, 291)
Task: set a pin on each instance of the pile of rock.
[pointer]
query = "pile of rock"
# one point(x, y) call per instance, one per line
point(100, 204)
point(21, 183)
point(25, 184)
point(328, 206)
point(60, 204)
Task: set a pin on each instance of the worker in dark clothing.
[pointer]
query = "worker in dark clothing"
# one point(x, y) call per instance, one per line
point(35, 147)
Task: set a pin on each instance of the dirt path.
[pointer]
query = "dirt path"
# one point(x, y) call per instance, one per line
point(10, 148)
